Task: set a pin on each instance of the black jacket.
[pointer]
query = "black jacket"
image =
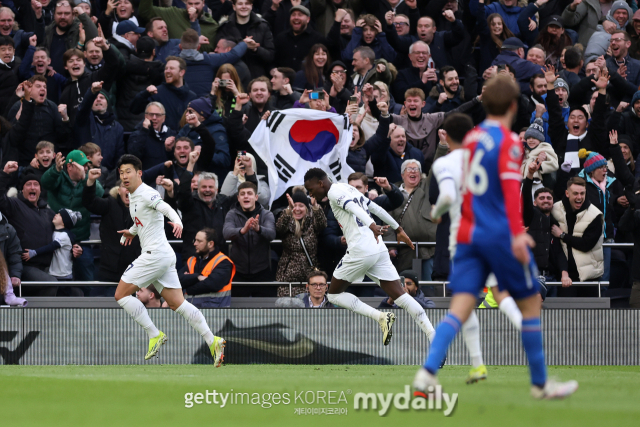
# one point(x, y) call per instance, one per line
point(8, 83)
point(33, 224)
point(197, 215)
point(539, 226)
point(291, 49)
point(10, 247)
point(148, 145)
point(114, 258)
point(138, 75)
point(258, 61)
point(630, 223)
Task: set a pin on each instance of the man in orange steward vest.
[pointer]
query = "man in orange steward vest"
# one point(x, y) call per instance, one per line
point(206, 278)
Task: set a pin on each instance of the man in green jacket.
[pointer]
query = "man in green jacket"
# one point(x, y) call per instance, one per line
point(178, 20)
point(65, 184)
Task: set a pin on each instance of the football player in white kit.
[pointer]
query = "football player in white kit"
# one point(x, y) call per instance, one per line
point(365, 254)
point(157, 263)
point(448, 171)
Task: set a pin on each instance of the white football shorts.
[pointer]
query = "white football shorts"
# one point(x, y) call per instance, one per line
point(377, 266)
point(491, 281)
point(155, 268)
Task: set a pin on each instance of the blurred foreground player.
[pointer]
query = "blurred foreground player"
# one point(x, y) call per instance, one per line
point(157, 263)
point(365, 254)
point(491, 238)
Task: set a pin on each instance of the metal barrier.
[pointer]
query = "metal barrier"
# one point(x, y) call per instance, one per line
point(291, 284)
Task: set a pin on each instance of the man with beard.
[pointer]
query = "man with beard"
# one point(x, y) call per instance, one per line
point(539, 97)
point(553, 39)
point(36, 62)
point(620, 61)
point(512, 53)
point(207, 276)
point(293, 44)
point(538, 220)
point(634, 32)
point(157, 29)
point(96, 123)
point(64, 33)
point(82, 79)
point(8, 72)
point(580, 232)
point(178, 20)
point(367, 69)
point(448, 94)
point(259, 95)
point(50, 122)
point(412, 287)
point(173, 94)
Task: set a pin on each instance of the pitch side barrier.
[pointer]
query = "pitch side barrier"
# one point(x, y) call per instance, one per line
point(108, 336)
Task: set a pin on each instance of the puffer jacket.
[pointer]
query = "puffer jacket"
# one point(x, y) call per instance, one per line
point(64, 194)
point(604, 201)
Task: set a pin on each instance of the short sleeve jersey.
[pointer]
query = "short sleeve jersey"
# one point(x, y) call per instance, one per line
point(147, 220)
point(360, 239)
point(449, 167)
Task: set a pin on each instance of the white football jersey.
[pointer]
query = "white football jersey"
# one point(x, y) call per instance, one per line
point(148, 222)
point(360, 239)
point(451, 167)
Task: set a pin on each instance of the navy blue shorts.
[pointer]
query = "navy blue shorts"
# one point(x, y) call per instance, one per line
point(474, 262)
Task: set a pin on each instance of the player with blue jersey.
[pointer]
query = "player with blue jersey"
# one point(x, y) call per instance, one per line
point(491, 238)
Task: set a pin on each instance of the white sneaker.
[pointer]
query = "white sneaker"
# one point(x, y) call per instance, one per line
point(554, 389)
point(422, 381)
point(385, 324)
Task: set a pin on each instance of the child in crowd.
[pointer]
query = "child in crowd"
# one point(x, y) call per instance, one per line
point(94, 155)
point(61, 246)
point(536, 150)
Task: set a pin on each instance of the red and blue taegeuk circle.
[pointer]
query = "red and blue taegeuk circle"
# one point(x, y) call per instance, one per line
point(312, 139)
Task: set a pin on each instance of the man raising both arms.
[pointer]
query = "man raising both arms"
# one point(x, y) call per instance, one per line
point(366, 255)
point(157, 263)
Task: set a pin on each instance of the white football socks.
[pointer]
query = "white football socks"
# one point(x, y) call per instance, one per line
point(509, 307)
point(196, 320)
point(353, 303)
point(139, 313)
point(471, 334)
point(416, 311)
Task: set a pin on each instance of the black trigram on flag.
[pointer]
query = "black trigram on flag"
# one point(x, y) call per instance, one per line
point(336, 167)
point(274, 120)
point(285, 170)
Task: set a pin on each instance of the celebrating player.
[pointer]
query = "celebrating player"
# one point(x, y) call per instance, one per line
point(491, 238)
point(157, 263)
point(365, 255)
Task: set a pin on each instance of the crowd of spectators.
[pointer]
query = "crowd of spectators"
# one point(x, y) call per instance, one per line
point(182, 84)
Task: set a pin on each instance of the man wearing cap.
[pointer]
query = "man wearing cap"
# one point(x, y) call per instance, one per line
point(31, 218)
point(620, 61)
point(202, 67)
point(96, 123)
point(179, 20)
point(65, 184)
point(293, 44)
point(142, 70)
point(619, 14)
point(126, 37)
point(512, 53)
point(412, 287)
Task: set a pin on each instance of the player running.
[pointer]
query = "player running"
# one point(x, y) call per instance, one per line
point(447, 171)
point(365, 254)
point(491, 238)
point(157, 263)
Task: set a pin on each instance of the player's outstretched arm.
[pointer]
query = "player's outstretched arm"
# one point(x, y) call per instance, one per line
point(174, 219)
point(382, 214)
point(446, 198)
point(402, 237)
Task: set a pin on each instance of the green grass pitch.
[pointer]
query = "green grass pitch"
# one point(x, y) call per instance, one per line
point(154, 396)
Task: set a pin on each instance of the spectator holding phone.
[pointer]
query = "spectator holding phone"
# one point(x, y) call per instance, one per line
point(244, 169)
point(540, 152)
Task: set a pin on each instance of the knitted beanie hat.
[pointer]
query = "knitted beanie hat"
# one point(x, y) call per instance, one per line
point(593, 162)
point(535, 131)
point(561, 83)
point(69, 217)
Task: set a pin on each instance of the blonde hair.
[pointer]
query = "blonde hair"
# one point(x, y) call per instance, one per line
point(231, 70)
